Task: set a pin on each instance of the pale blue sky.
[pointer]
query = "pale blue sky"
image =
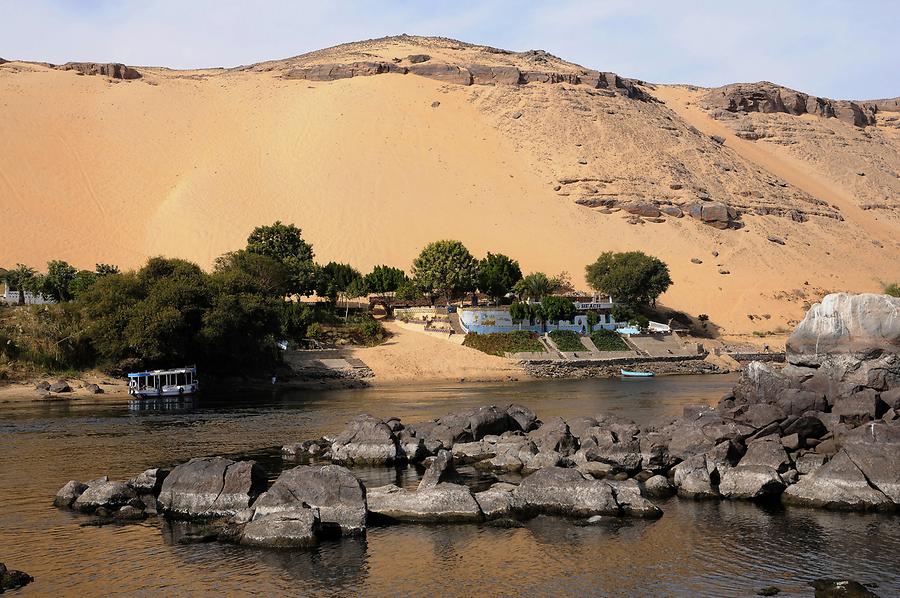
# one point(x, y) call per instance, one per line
point(833, 48)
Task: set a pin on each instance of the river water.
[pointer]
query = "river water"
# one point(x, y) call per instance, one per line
point(696, 549)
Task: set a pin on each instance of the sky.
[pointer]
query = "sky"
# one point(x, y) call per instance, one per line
point(831, 48)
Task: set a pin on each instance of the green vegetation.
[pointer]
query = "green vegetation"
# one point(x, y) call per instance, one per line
point(567, 341)
point(500, 343)
point(632, 278)
point(519, 311)
point(538, 285)
point(608, 340)
point(284, 243)
point(558, 308)
point(892, 289)
point(445, 269)
point(497, 275)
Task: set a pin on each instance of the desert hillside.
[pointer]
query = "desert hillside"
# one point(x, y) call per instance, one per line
point(376, 148)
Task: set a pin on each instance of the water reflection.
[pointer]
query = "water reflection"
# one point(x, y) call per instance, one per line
point(695, 549)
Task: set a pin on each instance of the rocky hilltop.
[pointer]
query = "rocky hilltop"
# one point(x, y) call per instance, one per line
point(378, 147)
point(768, 98)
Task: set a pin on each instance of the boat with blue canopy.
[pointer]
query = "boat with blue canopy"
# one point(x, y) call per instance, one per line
point(176, 382)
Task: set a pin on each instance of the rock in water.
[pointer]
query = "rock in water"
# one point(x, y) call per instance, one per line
point(440, 470)
point(338, 496)
point(839, 484)
point(11, 579)
point(211, 487)
point(294, 528)
point(149, 481)
point(841, 588)
point(366, 440)
point(558, 491)
point(69, 493)
point(109, 495)
point(443, 503)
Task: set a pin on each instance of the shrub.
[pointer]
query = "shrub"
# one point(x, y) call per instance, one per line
point(567, 341)
point(608, 340)
point(893, 290)
point(371, 331)
point(499, 343)
point(558, 308)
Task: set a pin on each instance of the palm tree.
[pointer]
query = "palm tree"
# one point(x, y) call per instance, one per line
point(535, 286)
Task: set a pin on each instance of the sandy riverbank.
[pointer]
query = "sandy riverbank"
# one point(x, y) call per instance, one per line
point(412, 356)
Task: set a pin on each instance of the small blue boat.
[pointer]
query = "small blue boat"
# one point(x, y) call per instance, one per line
point(629, 374)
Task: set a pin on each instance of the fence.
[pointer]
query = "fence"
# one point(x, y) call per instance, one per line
point(12, 298)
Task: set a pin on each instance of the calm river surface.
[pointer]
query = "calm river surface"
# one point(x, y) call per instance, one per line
point(696, 549)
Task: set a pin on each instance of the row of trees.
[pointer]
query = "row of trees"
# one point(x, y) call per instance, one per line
point(61, 282)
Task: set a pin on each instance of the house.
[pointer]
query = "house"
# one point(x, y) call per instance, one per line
point(485, 320)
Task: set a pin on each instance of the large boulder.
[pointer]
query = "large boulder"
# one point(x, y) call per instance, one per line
point(855, 338)
point(69, 493)
point(440, 471)
point(875, 450)
point(443, 503)
point(694, 478)
point(797, 401)
point(760, 383)
point(839, 484)
point(149, 481)
point(554, 435)
point(291, 528)
point(338, 496)
point(521, 418)
point(628, 495)
point(751, 482)
point(113, 70)
point(211, 487)
point(366, 440)
point(487, 420)
point(109, 495)
point(559, 491)
point(496, 502)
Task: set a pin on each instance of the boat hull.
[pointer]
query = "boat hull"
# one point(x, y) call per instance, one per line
point(628, 374)
point(166, 391)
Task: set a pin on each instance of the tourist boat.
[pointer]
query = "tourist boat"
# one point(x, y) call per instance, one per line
point(178, 382)
point(629, 374)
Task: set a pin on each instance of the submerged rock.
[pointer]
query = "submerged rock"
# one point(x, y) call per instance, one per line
point(293, 528)
point(839, 484)
point(841, 588)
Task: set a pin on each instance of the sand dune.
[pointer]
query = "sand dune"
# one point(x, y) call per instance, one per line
point(374, 167)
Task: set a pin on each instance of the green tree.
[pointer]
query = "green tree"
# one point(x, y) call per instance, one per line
point(106, 269)
point(280, 241)
point(334, 280)
point(385, 279)
point(519, 311)
point(497, 274)
point(252, 272)
point(593, 318)
point(84, 279)
point(536, 314)
point(558, 308)
point(55, 283)
point(445, 268)
point(633, 278)
point(20, 279)
point(284, 243)
point(534, 287)
point(408, 291)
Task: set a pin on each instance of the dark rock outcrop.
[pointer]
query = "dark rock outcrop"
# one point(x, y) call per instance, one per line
point(366, 440)
point(714, 213)
point(768, 98)
point(211, 487)
point(11, 579)
point(113, 70)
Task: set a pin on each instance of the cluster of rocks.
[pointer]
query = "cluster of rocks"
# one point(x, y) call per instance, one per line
point(767, 98)
point(611, 368)
point(470, 74)
point(824, 431)
point(10, 579)
point(113, 70)
point(47, 389)
point(714, 213)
